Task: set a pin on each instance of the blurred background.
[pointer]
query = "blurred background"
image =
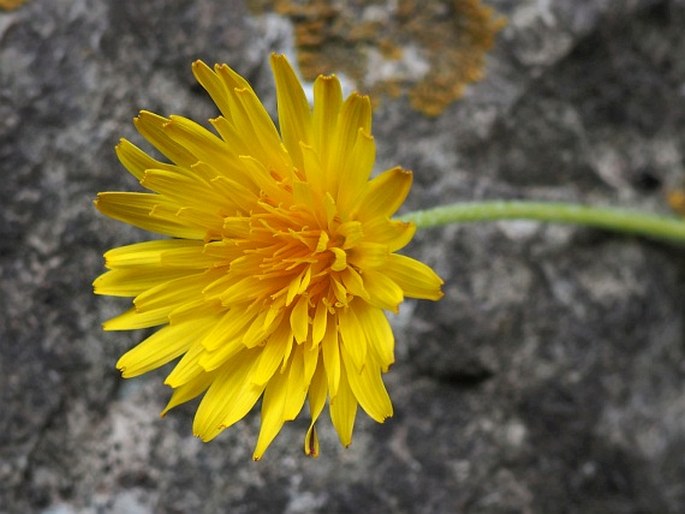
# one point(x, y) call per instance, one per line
point(551, 377)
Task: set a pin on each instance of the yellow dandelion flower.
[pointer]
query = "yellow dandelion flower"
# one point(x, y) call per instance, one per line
point(281, 260)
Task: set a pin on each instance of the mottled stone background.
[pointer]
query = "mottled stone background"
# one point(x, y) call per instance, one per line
point(551, 378)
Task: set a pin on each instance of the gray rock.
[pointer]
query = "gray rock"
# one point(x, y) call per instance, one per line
point(549, 379)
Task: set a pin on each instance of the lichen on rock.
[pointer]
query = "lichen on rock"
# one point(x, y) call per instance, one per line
point(429, 51)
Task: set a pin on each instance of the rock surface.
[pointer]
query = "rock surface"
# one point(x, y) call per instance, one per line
point(550, 378)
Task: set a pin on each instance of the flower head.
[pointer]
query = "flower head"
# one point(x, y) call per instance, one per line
point(281, 260)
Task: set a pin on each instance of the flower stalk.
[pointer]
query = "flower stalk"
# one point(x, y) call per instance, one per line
point(607, 218)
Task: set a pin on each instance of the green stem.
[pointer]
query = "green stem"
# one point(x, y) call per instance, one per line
point(616, 220)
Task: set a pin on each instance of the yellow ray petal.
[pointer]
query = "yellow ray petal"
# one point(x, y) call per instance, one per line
point(136, 161)
point(343, 410)
point(273, 354)
point(228, 327)
point(133, 320)
point(355, 114)
point(215, 359)
point(220, 399)
point(242, 403)
point(383, 292)
point(147, 254)
point(273, 405)
point(185, 190)
point(136, 209)
point(310, 356)
point(258, 131)
point(394, 234)
point(327, 103)
point(369, 255)
point(172, 294)
point(232, 79)
point(378, 332)
point(316, 176)
point(189, 390)
point(357, 169)
point(385, 194)
point(367, 386)
point(213, 85)
point(352, 336)
point(204, 145)
point(319, 323)
point(187, 369)
point(132, 282)
point(151, 127)
point(317, 400)
point(297, 388)
point(294, 114)
point(415, 278)
point(161, 347)
point(354, 283)
point(330, 348)
point(299, 319)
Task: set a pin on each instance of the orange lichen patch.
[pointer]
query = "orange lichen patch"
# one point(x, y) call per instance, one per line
point(448, 38)
point(676, 200)
point(8, 5)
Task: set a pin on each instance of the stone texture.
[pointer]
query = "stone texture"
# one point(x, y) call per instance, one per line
point(549, 379)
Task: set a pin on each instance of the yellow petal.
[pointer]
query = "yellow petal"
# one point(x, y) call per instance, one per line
point(220, 399)
point(378, 332)
point(352, 280)
point(242, 403)
point(385, 194)
point(132, 282)
point(316, 175)
point(352, 336)
point(151, 127)
point(327, 103)
point(147, 253)
point(213, 85)
point(215, 359)
point(258, 131)
point(137, 209)
point(231, 291)
point(231, 78)
point(330, 348)
point(136, 161)
point(230, 326)
point(273, 405)
point(343, 410)
point(319, 323)
point(161, 347)
point(367, 386)
point(187, 369)
point(358, 166)
point(393, 234)
point(169, 295)
point(340, 259)
point(133, 320)
point(415, 278)
point(189, 390)
point(294, 114)
point(317, 400)
point(297, 388)
point(355, 114)
point(299, 319)
point(310, 356)
point(367, 255)
point(383, 292)
point(184, 189)
point(200, 142)
point(273, 354)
